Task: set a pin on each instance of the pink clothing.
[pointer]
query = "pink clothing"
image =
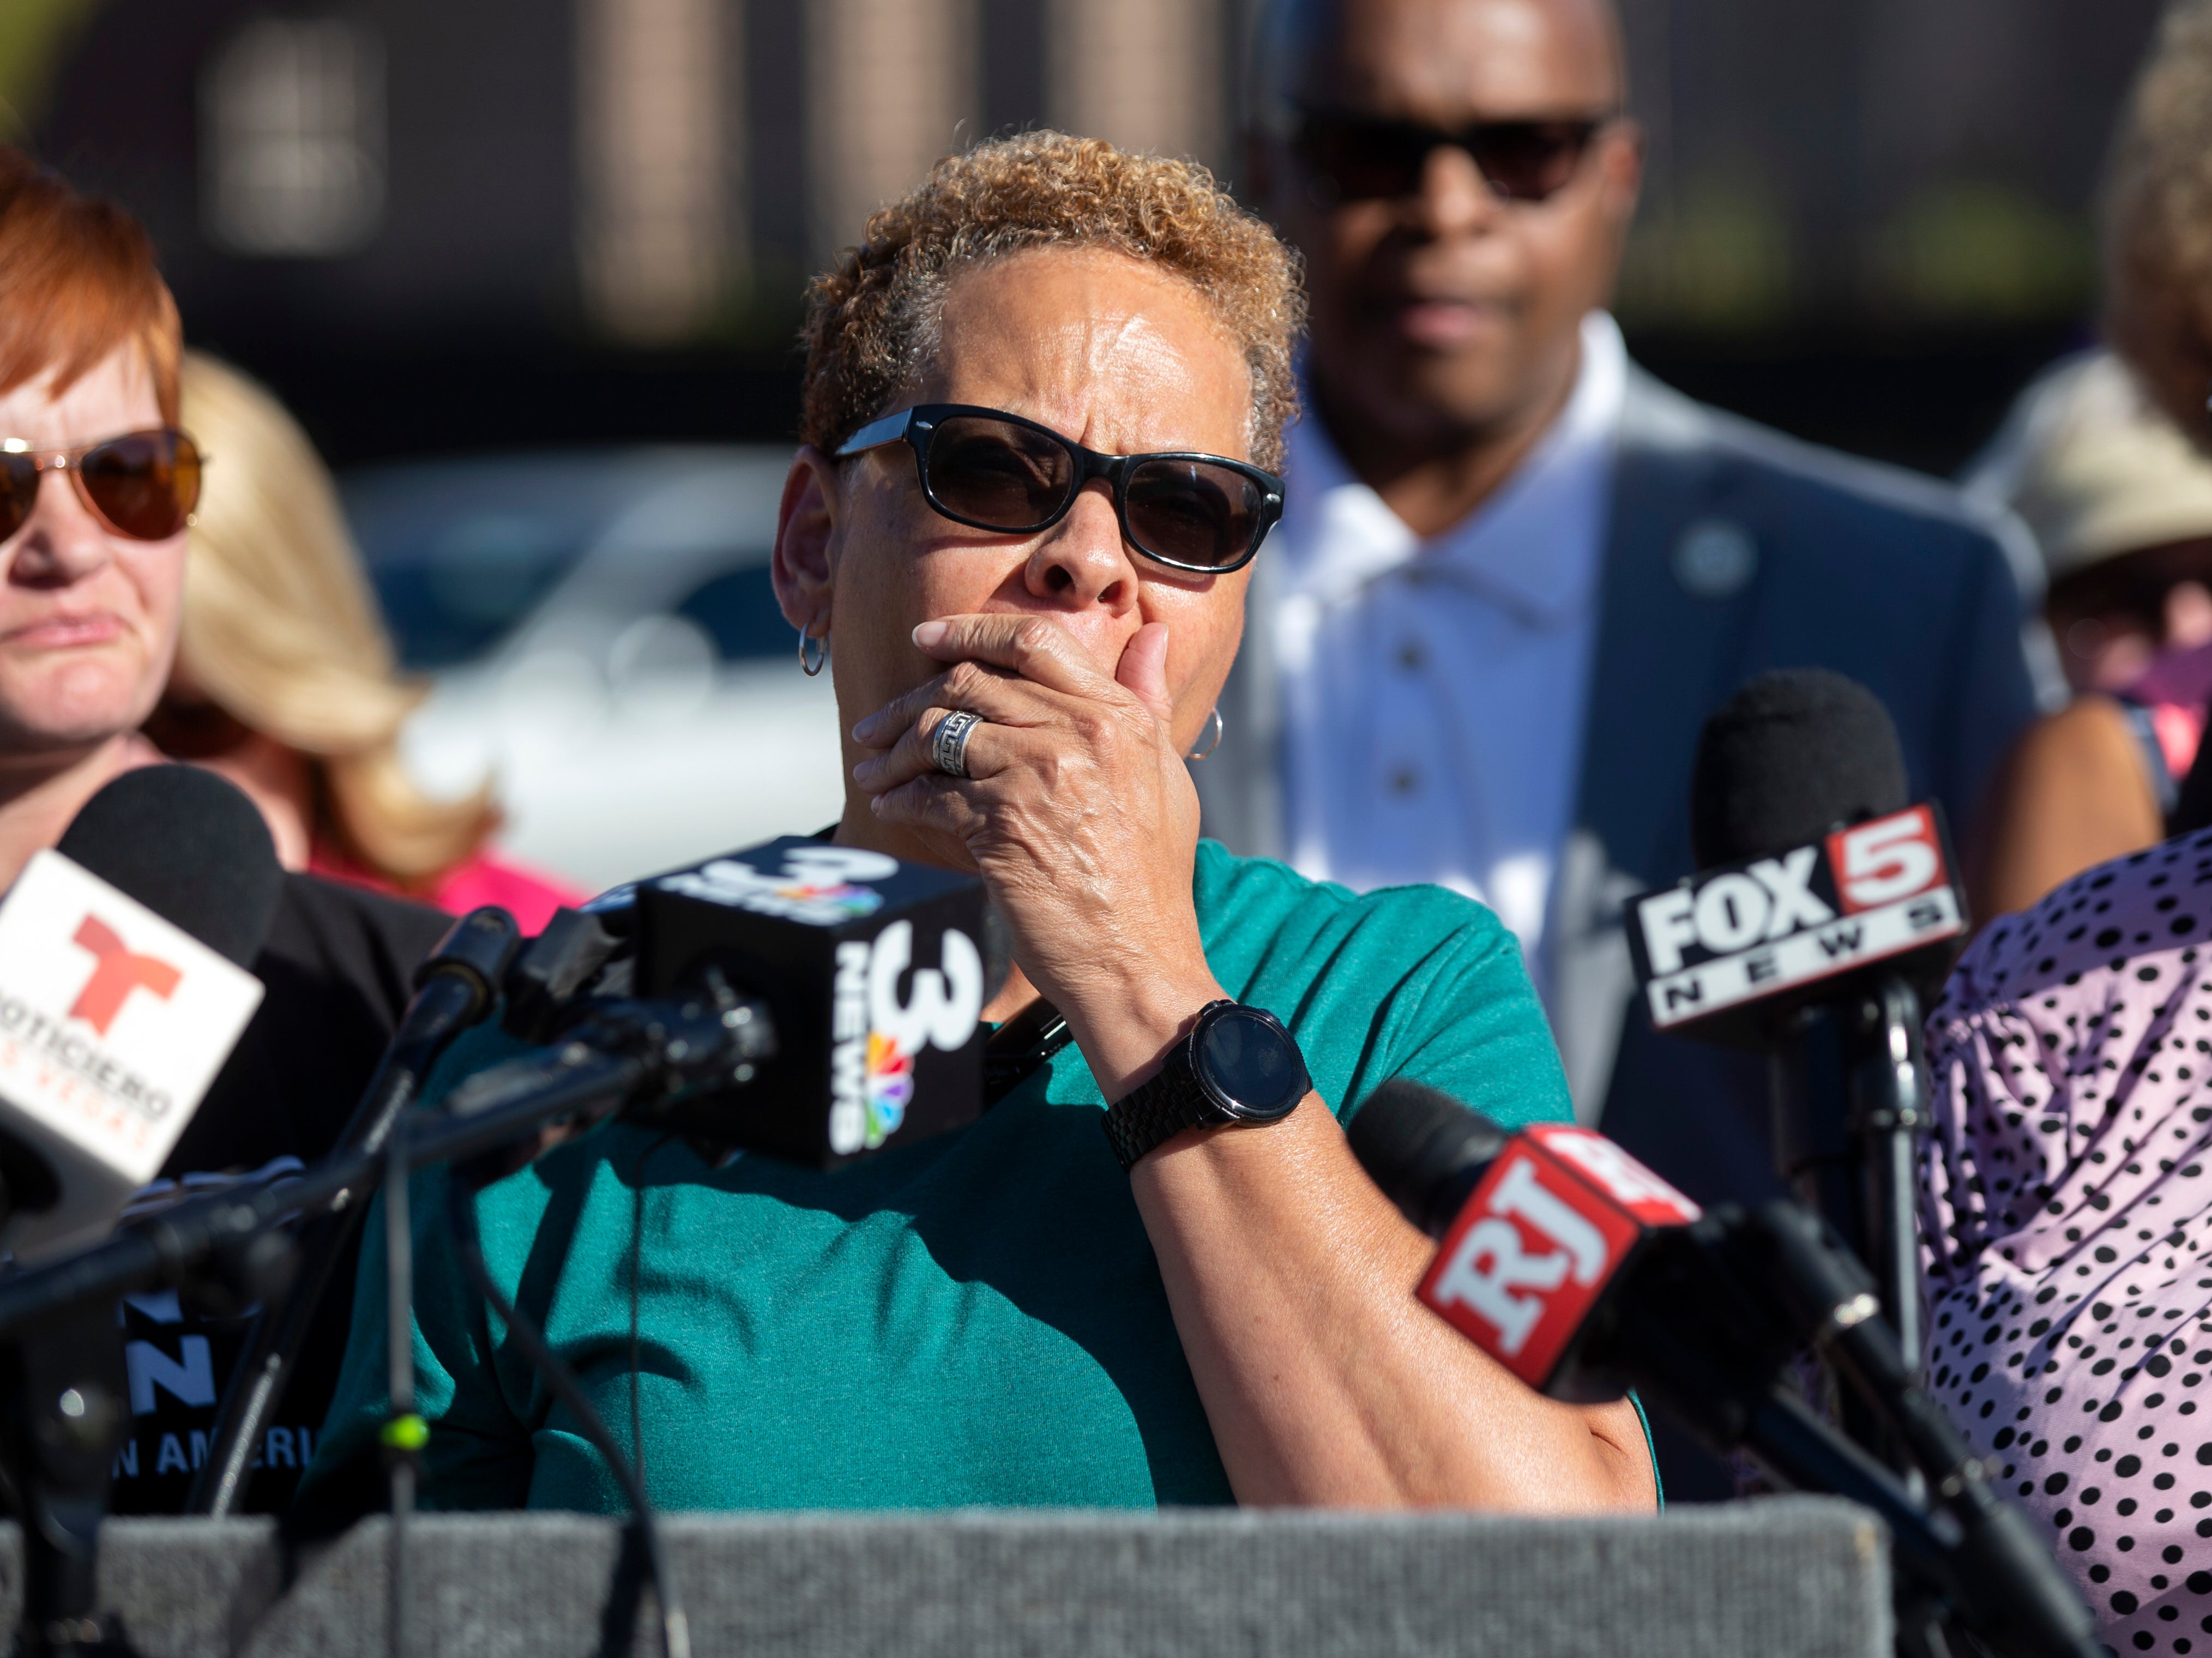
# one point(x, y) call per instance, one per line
point(2066, 1218)
point(485, 878)
point(2174, 690)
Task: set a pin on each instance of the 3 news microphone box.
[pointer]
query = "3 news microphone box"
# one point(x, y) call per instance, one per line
point(1723, 952)
point(873, 972)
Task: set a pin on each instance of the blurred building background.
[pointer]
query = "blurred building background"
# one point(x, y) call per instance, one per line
point(457, 223)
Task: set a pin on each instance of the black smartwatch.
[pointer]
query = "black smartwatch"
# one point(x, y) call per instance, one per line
point(1237, 1064)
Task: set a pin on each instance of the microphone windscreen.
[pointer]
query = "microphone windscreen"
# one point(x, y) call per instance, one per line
point(191, 847)
point(1422, 1147)
point(1795, 752)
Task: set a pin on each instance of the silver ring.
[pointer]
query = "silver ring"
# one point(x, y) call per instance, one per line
point(949, 747)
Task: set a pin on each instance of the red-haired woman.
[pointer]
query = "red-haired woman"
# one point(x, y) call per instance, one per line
point(97, 484)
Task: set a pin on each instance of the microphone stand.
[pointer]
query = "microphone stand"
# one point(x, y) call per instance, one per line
point(65, 1414)
point(647, 1059)
point(66, 1398)
point(1726, 1302)
point(456, 986)
point(1851, 1099)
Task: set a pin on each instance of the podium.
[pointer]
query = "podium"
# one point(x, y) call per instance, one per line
point(1782, 1577)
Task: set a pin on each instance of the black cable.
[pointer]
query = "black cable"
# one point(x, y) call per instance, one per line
point(461, 1219)
point(636, 1270)
point(404, 1430)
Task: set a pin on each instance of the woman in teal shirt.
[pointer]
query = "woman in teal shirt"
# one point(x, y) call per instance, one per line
point(1003, 1315)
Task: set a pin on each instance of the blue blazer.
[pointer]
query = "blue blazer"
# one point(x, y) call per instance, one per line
point(1732, 549)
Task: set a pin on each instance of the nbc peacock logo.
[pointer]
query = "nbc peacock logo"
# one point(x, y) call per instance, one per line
point(891, 1086)
point(877, 1037)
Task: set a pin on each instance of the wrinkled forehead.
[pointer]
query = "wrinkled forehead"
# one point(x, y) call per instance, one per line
point(119, 393)
point(1454, 60)
point(1104, 348)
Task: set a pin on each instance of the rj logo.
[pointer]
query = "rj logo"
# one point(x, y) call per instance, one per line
point(115, 975)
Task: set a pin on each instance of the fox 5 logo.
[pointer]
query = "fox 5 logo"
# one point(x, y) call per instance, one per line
point(1866, 866)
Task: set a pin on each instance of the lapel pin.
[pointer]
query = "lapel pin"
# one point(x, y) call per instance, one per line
point(1716, 558)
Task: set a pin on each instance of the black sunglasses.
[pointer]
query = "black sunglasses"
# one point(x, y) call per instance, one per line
point(993, 470)
point(1359, 157)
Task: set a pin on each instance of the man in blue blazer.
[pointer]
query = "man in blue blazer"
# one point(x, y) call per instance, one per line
point(1515, 573)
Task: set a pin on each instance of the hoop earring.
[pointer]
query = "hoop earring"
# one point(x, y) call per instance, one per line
point(813, 663)
point(1213, 742)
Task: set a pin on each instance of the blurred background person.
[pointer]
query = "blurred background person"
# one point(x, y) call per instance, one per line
point(284, 681)
point(2065, 1211)
point(1516, 572)
point(2157, 230)
point(2120, 504)
point(2104, 457)
point(92, 571)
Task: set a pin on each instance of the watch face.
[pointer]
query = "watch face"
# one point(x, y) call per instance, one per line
point(1249, 1064)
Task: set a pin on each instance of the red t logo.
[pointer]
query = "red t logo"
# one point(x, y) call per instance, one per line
point(117, 973)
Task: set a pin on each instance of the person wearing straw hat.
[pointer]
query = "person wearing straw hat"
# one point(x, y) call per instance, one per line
point(2119, 502)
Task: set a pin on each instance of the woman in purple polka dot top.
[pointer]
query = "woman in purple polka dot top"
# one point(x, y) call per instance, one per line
point(2067, 1218)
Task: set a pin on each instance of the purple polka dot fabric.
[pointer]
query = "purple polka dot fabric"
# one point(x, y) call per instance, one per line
point(2066, 1216)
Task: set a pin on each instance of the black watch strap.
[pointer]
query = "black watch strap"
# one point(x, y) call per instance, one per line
point(1162, 1106)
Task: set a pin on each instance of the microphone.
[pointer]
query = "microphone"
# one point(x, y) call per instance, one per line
point(874, 974)
point(1825, 913)
point(794, 983)
point(1533, 1226)
point(1584, 1273)
point(123, 989)
point(1812, 865)
point(455, 987)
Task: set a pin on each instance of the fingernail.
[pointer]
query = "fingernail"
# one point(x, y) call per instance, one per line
point(930, 635)
point(860, 731)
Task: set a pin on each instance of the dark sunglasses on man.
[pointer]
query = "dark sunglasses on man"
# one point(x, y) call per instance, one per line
point(1355, 156)
point(992, 471)
point(142, 485)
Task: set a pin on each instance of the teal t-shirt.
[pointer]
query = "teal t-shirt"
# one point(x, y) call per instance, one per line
point(975, 1319)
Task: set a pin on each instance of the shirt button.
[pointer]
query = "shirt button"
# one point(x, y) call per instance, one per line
point(1411, 656)
point(1404, 780)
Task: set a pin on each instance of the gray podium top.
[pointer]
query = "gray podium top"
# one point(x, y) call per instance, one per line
point(1789, 1577)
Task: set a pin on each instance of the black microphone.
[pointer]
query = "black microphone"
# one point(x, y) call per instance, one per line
point(1826, 911)
point(456, 986)
point(815, 1003)
point(1584, 1273)
point(873, 972)
point(189, 846)
point(123, 989)
point(1814, 864)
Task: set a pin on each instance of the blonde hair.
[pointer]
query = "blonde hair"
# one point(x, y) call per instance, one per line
point(282, 633)
point(872, 320)
point(2158, 193)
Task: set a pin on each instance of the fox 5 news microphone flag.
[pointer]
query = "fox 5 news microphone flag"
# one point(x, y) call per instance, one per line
point(113, 1023)
point(1552, 1222)
point(1716, 952)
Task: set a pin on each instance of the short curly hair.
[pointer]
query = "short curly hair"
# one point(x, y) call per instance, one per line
point(2158, 186)
point(873, 319)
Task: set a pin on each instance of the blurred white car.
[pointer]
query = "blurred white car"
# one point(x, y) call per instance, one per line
point(603, 645)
